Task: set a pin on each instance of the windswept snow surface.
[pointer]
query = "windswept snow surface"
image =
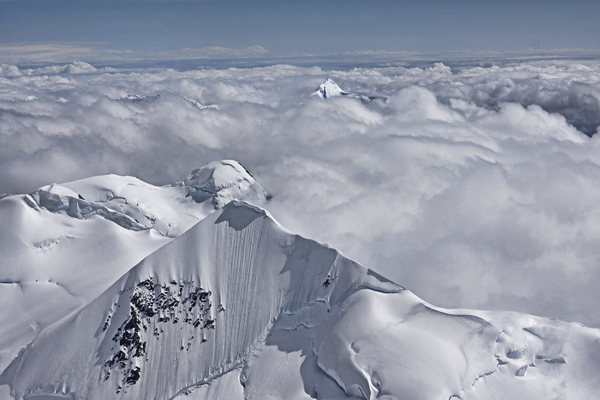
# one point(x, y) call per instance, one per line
point(239, 308)
point(62, 245)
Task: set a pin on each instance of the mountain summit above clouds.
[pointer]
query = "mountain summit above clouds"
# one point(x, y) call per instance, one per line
point(236, 307)
point(329, 89)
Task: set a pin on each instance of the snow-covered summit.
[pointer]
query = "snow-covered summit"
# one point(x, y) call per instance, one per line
point(330, 89)
point(224, 181)
point(137, 205)
point(193, 310)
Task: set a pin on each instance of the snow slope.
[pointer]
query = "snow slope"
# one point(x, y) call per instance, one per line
point(239, 308)
point(61, 246)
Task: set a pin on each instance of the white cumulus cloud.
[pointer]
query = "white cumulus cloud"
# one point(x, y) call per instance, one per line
point(474, 188)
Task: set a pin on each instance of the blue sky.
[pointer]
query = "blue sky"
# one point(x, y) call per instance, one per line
point(313, 26)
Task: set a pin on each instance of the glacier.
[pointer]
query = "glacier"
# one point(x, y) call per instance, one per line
point(229, 304)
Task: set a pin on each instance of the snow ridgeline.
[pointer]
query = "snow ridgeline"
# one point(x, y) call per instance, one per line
point(239, 308)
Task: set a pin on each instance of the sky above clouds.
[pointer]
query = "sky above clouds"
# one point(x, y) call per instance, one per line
point(474, 187)
point(305, 27)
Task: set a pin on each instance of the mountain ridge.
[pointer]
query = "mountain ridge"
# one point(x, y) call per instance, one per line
point(237, 307)
point(62, 245)
point(157, 295)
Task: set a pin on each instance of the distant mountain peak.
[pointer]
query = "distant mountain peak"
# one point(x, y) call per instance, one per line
point(330, 89)
point(200, 105)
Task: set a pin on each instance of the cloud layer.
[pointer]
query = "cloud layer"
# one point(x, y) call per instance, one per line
point(474, 188)
point(56, 52)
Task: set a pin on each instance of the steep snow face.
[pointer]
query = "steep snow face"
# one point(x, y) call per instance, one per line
point(192, 311)
point(62, 245)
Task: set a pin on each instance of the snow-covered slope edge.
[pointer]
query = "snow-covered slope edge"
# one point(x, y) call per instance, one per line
point(239, 308)
point(191, 311)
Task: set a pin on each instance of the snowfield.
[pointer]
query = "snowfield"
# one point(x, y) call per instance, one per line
point(121, 289)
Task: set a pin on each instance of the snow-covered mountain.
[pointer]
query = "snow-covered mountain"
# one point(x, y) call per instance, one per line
point(62, 245)
point(237, 307)
point(329, 89)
